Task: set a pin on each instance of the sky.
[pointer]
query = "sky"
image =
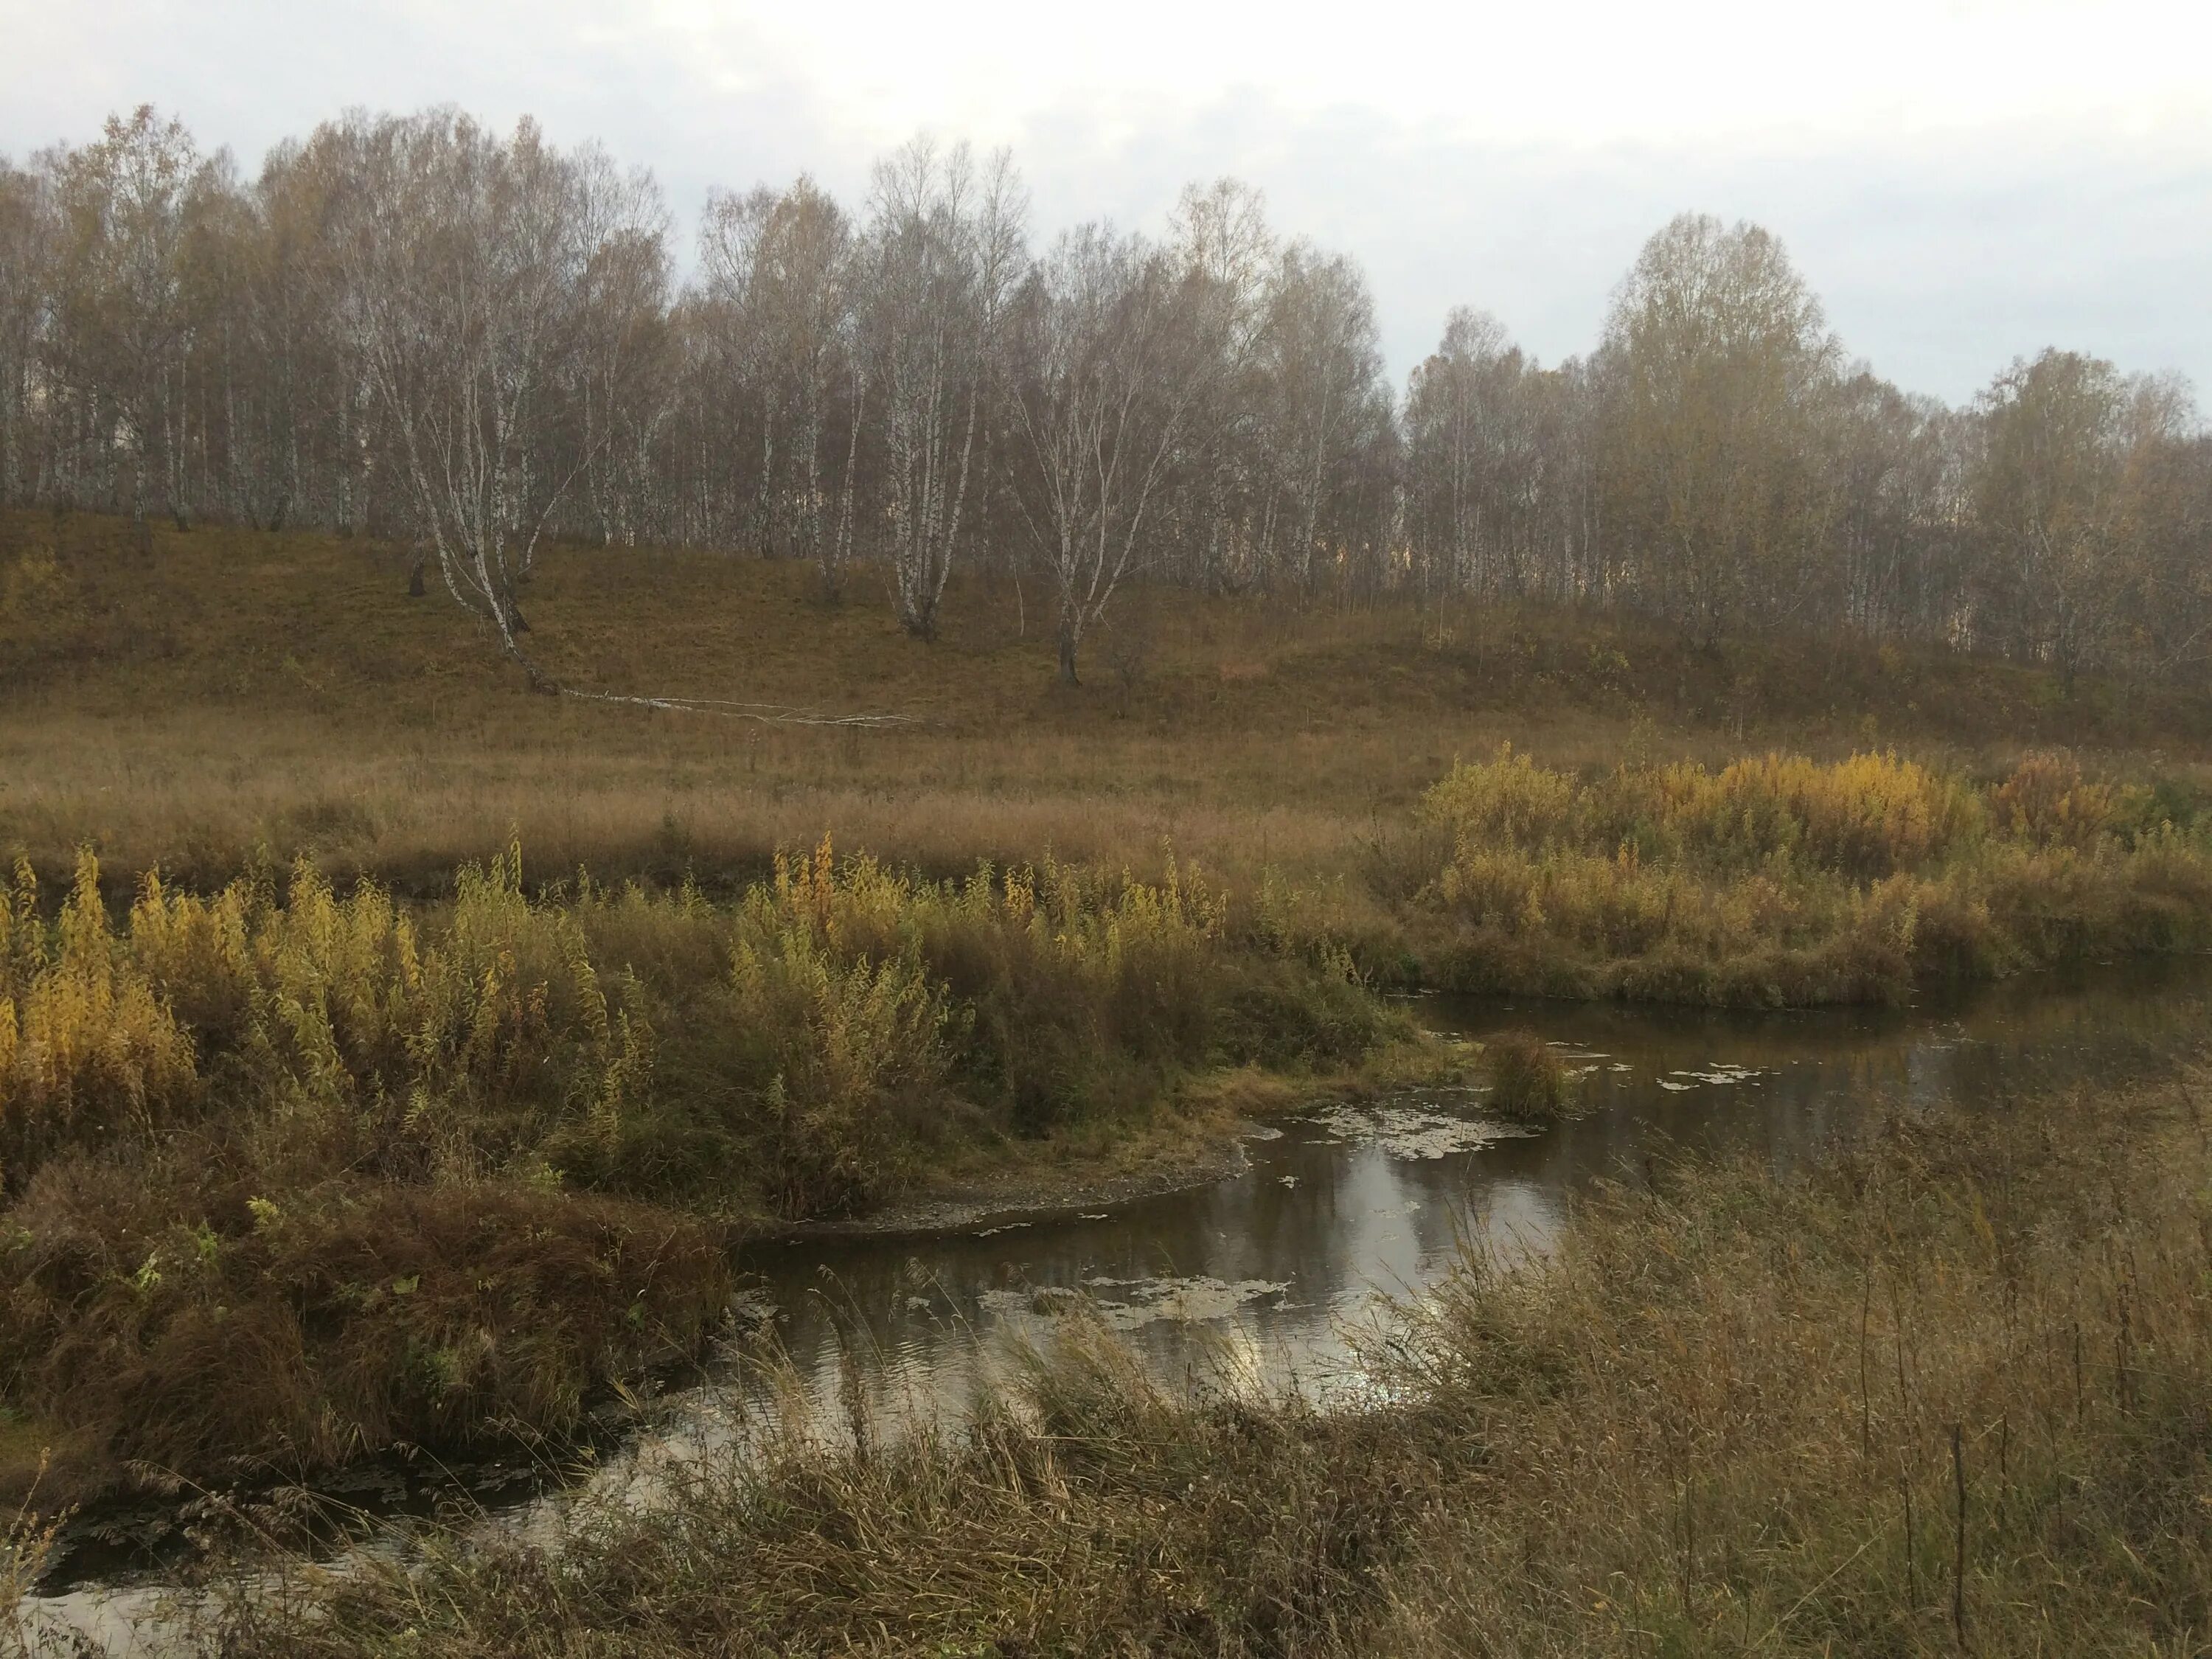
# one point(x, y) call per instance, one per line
point(1963, 182)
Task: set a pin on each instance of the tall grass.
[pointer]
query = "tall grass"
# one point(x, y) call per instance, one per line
point(88, 1048)
point(1945, 1391)
point(1947, 1394)
point(829, 1014)
point(26, 1541)
point(1778, 879)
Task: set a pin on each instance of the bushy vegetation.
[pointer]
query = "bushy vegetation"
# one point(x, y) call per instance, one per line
point(790, 1053)
point(296, 1173)
point(1778, 880)
point(1945, 1391)
point(1528, 1081)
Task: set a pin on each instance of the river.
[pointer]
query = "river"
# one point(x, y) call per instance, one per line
point(1268, 1276)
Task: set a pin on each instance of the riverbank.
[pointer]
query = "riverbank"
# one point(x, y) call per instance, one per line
point(295, 1175)
point(1197, 1134)
point(293, 1178)
point(1943, 1389)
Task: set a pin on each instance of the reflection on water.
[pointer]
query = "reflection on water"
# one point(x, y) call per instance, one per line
point(1349, 1202)
point(1270, 1270)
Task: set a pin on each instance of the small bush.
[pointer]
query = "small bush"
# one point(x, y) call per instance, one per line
point(1528, 1082)
point(2046, 803)
point(88, 1049)
point(163, 1313)
point(1508, 801)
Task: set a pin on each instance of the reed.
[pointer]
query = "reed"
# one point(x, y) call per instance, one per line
point(1528, 1082)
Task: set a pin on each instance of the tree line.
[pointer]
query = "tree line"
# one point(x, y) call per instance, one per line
point(418, 327)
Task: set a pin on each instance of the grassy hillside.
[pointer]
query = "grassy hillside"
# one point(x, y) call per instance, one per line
point(233, 691)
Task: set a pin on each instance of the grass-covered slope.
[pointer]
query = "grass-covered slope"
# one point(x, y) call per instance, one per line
point(235, 691)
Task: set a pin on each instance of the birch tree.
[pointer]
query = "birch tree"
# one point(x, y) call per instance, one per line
point(463, 258)
point(25, 244)
point(1323, 363)
point(617, 362)
point(1717, 360)
point(945, 251)
point(782, 267)
point(2068, 495)
point(1223, 248)
point(1112, 359)
point(119, 319)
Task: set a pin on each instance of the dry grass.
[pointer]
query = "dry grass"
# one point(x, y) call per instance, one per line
point(1949, 1392)
point(1779, 880)
point(1528, 1082)
point(235, 691)
point(1946, 1391)
point(413, 1075)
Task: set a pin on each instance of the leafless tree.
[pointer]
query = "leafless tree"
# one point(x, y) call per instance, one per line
point(946, 251)
point(1114, 357)
point(27, 241)
point(120, 326)
point(464, 259)
point(782, 269)
point(1323, 364)
point(617, 362)
point(1718, 364)
point(412, 327)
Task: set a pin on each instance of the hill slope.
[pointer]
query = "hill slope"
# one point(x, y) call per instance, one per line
point(234, 692)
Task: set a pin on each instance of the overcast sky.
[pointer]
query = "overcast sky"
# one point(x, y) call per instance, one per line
point(1963, 182)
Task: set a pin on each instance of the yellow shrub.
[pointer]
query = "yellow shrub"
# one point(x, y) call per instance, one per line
point(198, 952)
point(89, 1046)
point(2045, 801)
point(1867, 816)
point(23, 935)
point(1507, 802)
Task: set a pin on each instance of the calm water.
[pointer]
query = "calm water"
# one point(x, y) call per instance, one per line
point(1278, 1262)
point(1269, 1273)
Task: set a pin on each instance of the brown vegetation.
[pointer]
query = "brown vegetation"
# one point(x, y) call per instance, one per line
point(1777, 880)
point(238, 691)
point(292, 1175)
point(1528, 1082)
